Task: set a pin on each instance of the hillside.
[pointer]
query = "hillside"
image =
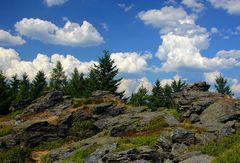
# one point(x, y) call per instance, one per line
point(203, 127)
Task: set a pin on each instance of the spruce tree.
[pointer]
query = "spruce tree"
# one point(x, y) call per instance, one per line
point(58, 79)
point(14, 86)
point(177, 85)
point(24, 89)
point(4, 94)
point(157, 97)
point(38, 84)
point(222, 87)
point(103, 75)
point(167, 96)
point(76, 85)
point(140, 98)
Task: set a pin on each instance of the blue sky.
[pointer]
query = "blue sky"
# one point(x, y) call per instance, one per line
point(192, 39)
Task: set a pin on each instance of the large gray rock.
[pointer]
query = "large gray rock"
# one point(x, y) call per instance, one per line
point(164, 144)
point(47, 101)
point(199, 159)
point(221, 111)
point(181, 135)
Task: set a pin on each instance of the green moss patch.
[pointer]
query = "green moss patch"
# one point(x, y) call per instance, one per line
point(5, 130)
point(17, 154)
point(50, 144)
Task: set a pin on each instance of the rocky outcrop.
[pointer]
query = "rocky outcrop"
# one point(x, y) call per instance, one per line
point(194, 100)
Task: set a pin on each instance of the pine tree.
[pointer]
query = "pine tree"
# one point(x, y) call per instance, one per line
point(167, 96)
point(76, 85)
point(4, 94)
point(140, 98)
point(58, 79)
point(24, 89)
point(38, 84)
point(222, 87)
point(157, 97)
point(177, 85)
point(103, 75)
point(14, 86)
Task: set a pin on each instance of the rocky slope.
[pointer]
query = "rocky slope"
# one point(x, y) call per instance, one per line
point(103, 128)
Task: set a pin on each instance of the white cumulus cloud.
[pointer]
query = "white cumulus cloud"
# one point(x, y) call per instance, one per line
point(132, 85)
point(182, 40)
point(235, 87)
point(196, 5)
point(6, 39)
point(234, 53)
point(11, 64)
point(131, 62)
point(51, 3)
point(72, 34)
point(211, 76)
point(231, 6)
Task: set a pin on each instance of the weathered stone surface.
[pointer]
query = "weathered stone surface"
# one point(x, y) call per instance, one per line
point(199, 159)
point(164, 143)
point(47, 101)
point(221, 111)
point(200, 86)
point(181, 135)
point(134, 155)
point(179, 149)
point(194, 118)
point(187, 155)
point(100, 152)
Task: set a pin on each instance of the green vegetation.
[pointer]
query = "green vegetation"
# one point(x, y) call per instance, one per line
point(81, 154)
point(50, 144)
point(178, 85)
point(222, 87)
point(176, 114)
point(4, 94)
point(125, 143)
point(5, 130)
point(103, 75)
point(140, 98)
point(80, 127)
point(17, 154)
point(38, 84)
point(156, 124)
point(226, 149)
point(58, 80)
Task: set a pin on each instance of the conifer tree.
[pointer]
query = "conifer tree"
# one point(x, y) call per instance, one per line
point(76, 85)
point(167, 95)
point(157, 98)
point(177, 85)
point(140, 98)
point(14, 87)
point(4, 94)
point(58, 79)
point(38, 84)
point(24, 89)
point(222, 87)
point(103, 75)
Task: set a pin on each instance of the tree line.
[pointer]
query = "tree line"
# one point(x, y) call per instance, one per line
point(102, 76)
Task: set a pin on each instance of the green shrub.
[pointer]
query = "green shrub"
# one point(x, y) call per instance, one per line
point(81, 154)
point(226, 149)
point(176, 114)
point(125, 143)
point(5, 130)
point(50, 144)
point(17, 154)
point(156, 124)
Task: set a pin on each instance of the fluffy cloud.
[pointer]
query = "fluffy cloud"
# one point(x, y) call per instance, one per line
point(169, 81)
point(131, 62)
point(211, 76)
point(11, 64)
point(125, 7)
point(196, 5)
point(51, 3)
point(214, 30)
point(132, 85)
point(182, 40)
point(231, 6)
point(234, 53)
point(235, 87)
point(72, 34)
point(6, 39)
